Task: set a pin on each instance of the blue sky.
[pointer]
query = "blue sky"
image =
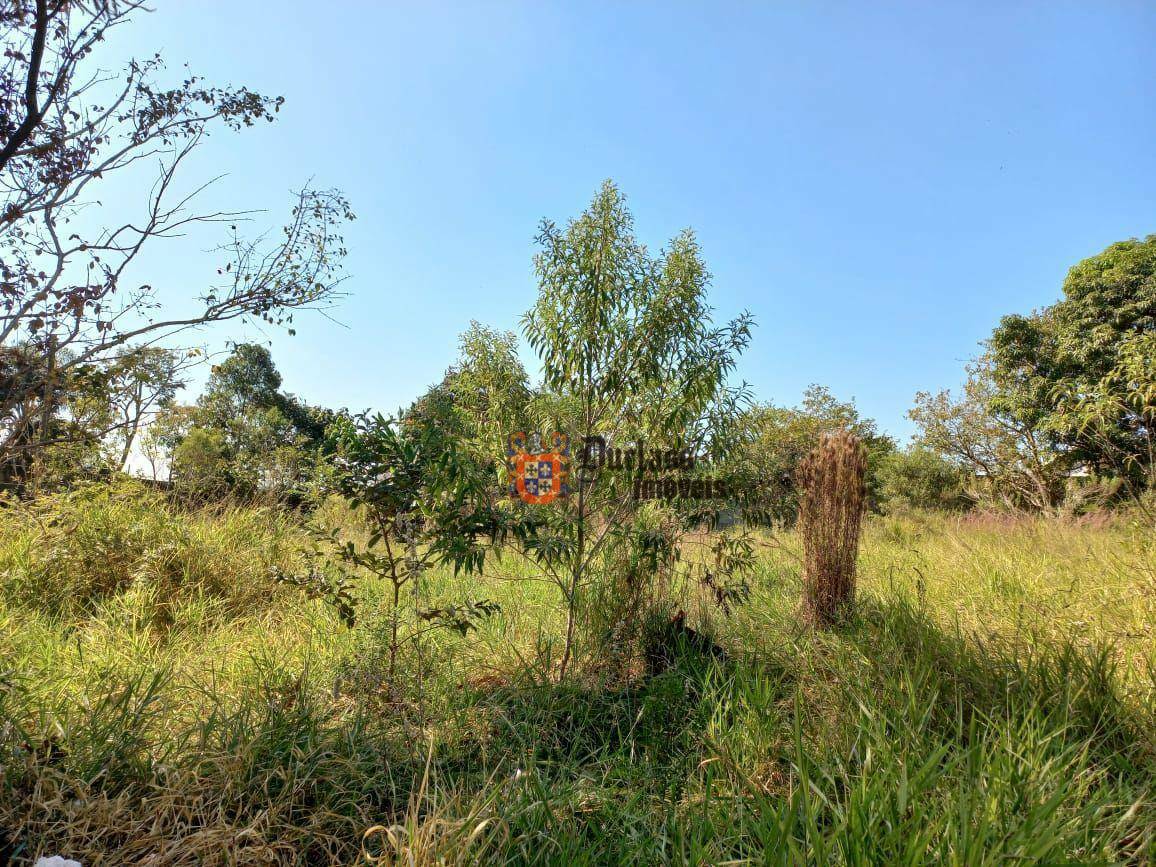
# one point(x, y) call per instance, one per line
point(876, 183)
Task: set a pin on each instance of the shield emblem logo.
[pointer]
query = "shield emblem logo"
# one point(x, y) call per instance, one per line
point(538, 476)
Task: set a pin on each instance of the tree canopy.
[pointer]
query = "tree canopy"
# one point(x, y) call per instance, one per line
point(1050, 363)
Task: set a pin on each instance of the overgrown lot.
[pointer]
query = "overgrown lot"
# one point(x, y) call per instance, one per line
point(164, 700)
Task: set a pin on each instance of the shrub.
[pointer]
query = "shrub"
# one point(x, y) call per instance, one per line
point(919, 478)
point(201, 469)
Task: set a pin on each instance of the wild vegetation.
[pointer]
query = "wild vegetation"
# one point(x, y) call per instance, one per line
point(396, 663)
point(990, 698)
point(742, 633)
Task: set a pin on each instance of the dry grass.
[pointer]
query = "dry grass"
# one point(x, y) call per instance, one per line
point(832, 487)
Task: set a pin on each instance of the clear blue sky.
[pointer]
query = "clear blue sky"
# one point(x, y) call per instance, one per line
point(877, 183)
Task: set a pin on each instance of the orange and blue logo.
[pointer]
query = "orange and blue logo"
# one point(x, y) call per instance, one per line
point(536, 475)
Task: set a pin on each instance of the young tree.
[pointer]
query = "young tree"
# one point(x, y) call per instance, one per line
point(67, 296)
point(414, 489)
point(630, 353)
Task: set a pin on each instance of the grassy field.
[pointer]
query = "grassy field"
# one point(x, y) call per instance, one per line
point(163, 701)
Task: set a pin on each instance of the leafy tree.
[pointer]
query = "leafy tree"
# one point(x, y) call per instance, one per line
point(778, 438)
point(139, 383)
point(270, 441)
point(34, 396)
point(1010, 459)
point(88, 418)
point(414, 488)
point(163, 435)
point(1117, 416)
point(205, 469)
point(489, 384)
point(920, 478)
point(629, 352)
point(482, 398)
point(1049, 365)
point(66, 127)
point(246, 380)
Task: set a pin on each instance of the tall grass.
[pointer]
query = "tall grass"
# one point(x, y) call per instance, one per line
point(991, 701)
point(70, 553)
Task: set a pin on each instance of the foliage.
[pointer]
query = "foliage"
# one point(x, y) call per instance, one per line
point(776, 439)
point(413, 488)
point(1049, 365)
point(1009, 460)
point(137, 384)
point(618, 330)
point(205, 470)
point(629, 352)
point(920, 478)
point(1117, 416)
point(94, 417)
point(334, 590)
point(244, 436)
point(483, 397)
point(65, 127)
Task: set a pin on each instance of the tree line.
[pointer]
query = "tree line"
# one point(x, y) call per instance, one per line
point(89, 381)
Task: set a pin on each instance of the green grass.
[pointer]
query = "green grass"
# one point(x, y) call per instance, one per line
point(161, 698)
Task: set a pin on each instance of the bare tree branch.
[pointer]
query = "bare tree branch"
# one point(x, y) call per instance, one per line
point(65, 303)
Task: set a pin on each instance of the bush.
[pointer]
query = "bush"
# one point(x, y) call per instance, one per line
point(919, 478)
point(201, 470)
